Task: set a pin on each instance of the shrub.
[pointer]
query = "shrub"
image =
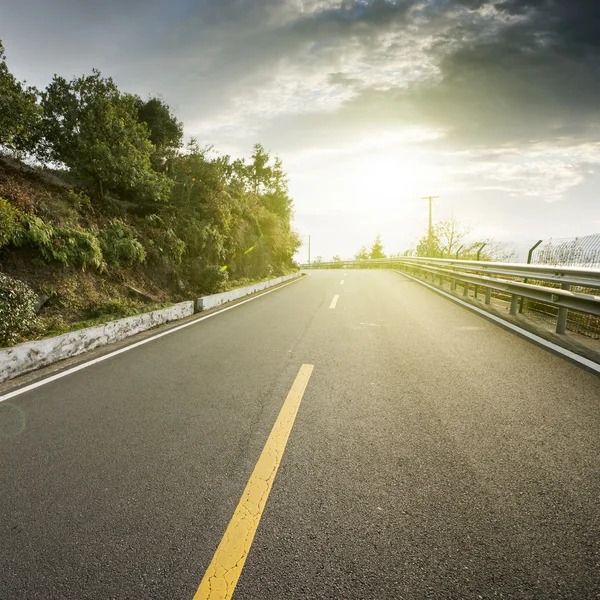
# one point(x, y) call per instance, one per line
point(80, 201)
point(119, 245)
point(36, 233)
point(209, 279)
point(10, 222)
point(17, 309)
point(76, 247)
point(163, 245)
point(70, 246)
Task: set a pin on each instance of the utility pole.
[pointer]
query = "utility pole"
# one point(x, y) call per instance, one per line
point(309, 249)
point(430, 230)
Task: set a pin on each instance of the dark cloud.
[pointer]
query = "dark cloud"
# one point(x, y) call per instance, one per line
point(529, 71)
point(536, 78)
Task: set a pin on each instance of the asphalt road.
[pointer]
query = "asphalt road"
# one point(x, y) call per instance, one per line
point(434, 455)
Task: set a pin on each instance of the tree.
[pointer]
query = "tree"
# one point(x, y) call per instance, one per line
point(165, 131)
point(449, 236)
point(92, 128)
point(276, 197)
point(19, 110)
point(336, 258)
point(224, 222)
point(377, 248)
point(362, 254)
point(258, 171)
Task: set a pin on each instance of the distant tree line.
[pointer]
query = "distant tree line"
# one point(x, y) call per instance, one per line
point(449, 239)
point(186, 209)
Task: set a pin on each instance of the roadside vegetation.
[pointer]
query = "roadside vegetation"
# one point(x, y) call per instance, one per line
point(105, 212)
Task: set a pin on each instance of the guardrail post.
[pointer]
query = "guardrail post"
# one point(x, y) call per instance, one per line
point(529, 257)
point(466, 289)
point(514, 304)
point(561, 321)
point(478, 256)
point(488, 295)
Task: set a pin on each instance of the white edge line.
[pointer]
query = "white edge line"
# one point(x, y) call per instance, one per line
point(586, 362)
point(94, 361)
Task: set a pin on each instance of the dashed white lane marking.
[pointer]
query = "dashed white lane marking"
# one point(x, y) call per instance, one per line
point(334, 301)
point(342, 282)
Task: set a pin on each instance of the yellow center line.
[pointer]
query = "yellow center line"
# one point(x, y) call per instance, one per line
point(334, 301)
point(225, 569)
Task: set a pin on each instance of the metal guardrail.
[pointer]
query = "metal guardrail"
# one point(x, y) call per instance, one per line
point(491, 276)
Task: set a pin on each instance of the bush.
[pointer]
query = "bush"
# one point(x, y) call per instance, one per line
point(80, 201)
point(209, 280)
point(36, 233)
point(119, 245)
point(10, 222)
point(17, 309)
point(163, 245)
point(76, 247)
point(70, 246)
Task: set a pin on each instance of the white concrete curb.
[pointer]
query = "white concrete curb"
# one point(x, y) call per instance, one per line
point(33, 355)
point(207, 302)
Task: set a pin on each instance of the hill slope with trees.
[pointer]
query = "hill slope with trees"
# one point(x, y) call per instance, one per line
point(110, 214)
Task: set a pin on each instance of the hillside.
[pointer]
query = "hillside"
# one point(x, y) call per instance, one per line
point(117, 216)
point(88, 260)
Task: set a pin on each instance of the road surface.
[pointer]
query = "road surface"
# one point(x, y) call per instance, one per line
point(433, 455)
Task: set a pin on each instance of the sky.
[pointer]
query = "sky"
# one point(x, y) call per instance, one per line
point(371, 104)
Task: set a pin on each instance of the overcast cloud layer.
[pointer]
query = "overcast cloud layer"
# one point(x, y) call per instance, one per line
point(371, 104)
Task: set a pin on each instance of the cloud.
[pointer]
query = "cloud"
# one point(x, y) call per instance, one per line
point(478, 76)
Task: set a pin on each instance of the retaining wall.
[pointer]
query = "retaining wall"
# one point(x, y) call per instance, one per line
point(33, 355)
point(213, 300)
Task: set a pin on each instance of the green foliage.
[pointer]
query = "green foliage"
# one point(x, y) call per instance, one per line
point(71, 246)
point(19, 110)
point(17, 309)
point(76, 247)
point(362, 254)
point(10, 222)
point(206, 209)
point(35, 233)
point(119, 245)
point(79, 200)
point(208, 280)
point(232, 213)
point(165, 131)
point(91, 127)
point(162, 244)
point(377, 248)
